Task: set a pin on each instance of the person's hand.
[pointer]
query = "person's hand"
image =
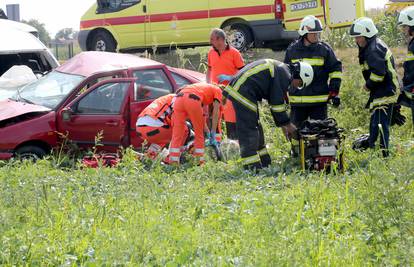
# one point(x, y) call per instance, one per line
point(366, 88)
point(290, 131)
point(212, 139)
point(224, 78)
point(336, 101)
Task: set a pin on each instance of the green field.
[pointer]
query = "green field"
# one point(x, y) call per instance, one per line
point(140, 213)
point(56, 213)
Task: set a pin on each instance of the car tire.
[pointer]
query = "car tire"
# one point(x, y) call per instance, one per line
point(103, 41)
point(240, 36)
point(30, 153)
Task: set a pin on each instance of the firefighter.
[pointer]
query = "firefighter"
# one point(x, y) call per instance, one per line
point(263, 79)
point(154, 124)
point(406, 20)
point(311, 102)
point(381, 79)
point(223, 59)
point(189, 104)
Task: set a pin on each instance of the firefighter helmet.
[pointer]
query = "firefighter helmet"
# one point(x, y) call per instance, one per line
point(363, 27)
point(310, 24)
point(303, 71)
point(406, 16)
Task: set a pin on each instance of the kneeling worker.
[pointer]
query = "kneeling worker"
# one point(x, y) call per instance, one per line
point(263, 79)
point(189, 104)
point(154, 124)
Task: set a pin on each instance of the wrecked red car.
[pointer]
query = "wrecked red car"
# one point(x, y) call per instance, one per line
point(92, 93)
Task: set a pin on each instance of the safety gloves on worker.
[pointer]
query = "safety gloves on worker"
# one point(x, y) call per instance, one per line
point(224, 78)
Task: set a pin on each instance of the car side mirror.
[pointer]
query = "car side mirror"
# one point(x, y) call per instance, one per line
point(67, 114)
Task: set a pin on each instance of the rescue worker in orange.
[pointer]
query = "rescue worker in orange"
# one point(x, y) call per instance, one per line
point(224, 61)
point(154, 125)
point(189, 104)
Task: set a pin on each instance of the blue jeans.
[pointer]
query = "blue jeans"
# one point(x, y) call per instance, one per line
point(380, 116)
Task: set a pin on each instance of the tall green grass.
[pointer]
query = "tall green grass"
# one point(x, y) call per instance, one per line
point(57, 213)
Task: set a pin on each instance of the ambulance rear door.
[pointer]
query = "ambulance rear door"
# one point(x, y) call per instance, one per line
point(295, 10)
point(341, 13)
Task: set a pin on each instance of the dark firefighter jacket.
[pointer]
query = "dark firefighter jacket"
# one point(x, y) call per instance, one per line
point(262, 79)
point(325, 66)
point(408, 80)
point(378, 69)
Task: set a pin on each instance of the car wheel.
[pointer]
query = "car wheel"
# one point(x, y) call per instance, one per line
point(240, 37)
point(103, 41)
point(30, 153)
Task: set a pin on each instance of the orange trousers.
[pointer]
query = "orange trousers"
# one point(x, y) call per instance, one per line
point(157, 137)
point(186, 108)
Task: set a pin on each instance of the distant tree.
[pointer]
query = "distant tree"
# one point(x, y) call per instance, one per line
point(43, 33)
point(65, 34)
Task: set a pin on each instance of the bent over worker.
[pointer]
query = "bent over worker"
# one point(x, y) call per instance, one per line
point(189, 104)
point(381, 79)
point(154, 124)
point(263, 79)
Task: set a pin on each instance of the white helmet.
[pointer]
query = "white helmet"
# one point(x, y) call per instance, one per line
point(363, 27)
point(304, 71)
point(310, 24)
point(406, 16)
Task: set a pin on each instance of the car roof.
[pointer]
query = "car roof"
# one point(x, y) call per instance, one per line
point(17, 25)
point(91, 62)
point(19, 41)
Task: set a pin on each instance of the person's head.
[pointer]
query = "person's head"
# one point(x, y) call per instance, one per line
point(406, 21)
point(363, 29)
point(218, 38)
point(302, 74)
point(310, 29)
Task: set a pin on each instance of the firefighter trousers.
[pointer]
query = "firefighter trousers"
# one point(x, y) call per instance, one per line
point(251, 137)
point(300, 114)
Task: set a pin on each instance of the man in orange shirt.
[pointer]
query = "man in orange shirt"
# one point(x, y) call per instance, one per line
point(154, 124)
point(223, 61)
point(189, 104)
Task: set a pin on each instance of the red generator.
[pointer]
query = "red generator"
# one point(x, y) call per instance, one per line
point(320, 145)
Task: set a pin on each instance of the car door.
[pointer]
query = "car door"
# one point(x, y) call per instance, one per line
point(150, 84)
point(127, 19)
point(180, 22)
point(99, 113)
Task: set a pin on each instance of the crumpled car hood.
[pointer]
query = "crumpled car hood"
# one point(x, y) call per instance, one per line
point(10, 109)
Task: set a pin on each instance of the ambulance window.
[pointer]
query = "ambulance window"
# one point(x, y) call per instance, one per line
point(108, 6)
point(151, 84)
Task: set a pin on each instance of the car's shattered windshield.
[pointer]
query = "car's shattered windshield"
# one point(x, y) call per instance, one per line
point(49, 90)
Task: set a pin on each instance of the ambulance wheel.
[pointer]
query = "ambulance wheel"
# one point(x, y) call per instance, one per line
point(32, 153)
point(240, 37)
point(103, 41)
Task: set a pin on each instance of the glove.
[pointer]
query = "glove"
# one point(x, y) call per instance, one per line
point(224, 78)
point(212, 139)
point(397, 118)
point(336, 101)
point(290, 131)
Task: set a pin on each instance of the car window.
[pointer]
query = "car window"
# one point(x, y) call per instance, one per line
point(180, 80)
point(151, 84)
point(108, 6)
point(99, 79)
point(105, 99)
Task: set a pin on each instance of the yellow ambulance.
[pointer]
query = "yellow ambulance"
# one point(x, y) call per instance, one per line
point(121, 25)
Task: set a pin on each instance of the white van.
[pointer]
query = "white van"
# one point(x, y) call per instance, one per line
point(22, 55)
point(19, 47)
